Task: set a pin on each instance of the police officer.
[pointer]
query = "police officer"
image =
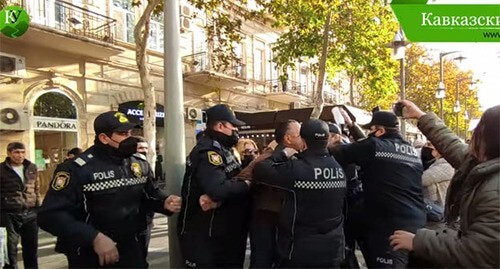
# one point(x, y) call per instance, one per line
point(392, 188)
point(93, 203)
point(310, 229)
point(214, 237)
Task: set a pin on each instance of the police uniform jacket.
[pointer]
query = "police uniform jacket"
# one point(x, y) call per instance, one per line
point(210, 170)
point(392, 185)
point(98, 192)
point(310, 229)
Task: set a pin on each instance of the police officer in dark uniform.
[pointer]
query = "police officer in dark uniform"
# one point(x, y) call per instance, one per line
point(392, 188)
point(93, 203)
point(214, 237)
point(310, 229)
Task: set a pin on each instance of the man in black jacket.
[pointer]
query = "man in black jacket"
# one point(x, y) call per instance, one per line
point(214, 237)
point(93, 203)
point(392, 188)
point(310, 228)
point(20, 195)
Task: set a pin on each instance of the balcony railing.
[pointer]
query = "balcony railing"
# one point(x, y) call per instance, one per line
point(276, 86)
point(202, 61)
point(71, 19)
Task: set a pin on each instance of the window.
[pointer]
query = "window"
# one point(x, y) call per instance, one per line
point(259, 61)
point(155, 41)
point(125, 20)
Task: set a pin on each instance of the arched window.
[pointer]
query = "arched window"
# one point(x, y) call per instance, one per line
point(54, 105)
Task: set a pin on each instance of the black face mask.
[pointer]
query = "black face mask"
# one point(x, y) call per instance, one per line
point(227, 141)
point(247, 159)
point(427, 158)
point(126, 148)
point(372, 134)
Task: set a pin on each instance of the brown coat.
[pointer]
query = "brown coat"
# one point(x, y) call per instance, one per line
point(17, 195)
point(473, 200)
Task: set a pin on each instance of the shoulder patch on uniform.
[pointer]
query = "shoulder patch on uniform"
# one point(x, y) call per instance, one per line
point(214, 158)
point(80, 161)
point(136, 169)
point(60, 181)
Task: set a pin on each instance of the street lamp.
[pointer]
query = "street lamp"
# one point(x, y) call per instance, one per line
point(398, 45)
point(456, 108)
point(440, 93)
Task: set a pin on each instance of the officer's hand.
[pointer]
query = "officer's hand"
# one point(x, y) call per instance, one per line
point(207, 203)
point(402, 240)
point(410, 110)
point(173, 203)
point(106, 249)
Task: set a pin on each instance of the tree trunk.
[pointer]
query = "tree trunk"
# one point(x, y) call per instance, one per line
point(351, 90)
point(141, 34)
point(318, 98)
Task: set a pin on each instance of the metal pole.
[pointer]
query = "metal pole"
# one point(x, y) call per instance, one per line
point(175, 152)
point(403, 91)
point(441, 74)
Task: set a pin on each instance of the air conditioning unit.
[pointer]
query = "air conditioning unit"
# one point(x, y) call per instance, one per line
point(193, 113)
point(12, 66)
point(13, 117)
point(294, 105)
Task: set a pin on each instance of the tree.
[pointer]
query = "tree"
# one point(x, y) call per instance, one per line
point(350, 35)
point(422, 78)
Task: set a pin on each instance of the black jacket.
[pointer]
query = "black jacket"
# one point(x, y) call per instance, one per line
point(392, 173)
point(98, 192)
point(18, 195)
point(210, 169)
point(310, 229)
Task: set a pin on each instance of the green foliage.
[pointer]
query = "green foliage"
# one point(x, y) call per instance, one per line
point(56, 105)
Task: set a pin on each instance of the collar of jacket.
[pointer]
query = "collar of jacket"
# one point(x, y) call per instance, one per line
point(7, 162)
point(314, 152)
point(391, 136)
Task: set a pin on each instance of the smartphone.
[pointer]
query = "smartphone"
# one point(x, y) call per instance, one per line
point(397, 108)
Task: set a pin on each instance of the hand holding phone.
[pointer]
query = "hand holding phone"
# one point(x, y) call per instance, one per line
point(397, 108)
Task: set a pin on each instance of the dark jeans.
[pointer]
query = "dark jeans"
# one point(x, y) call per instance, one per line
point(21, 225)
point(263, 239)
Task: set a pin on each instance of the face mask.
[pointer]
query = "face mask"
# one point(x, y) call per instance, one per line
point(229, 140)
point(372, 134)
point(126, 148)
point(427, 158)
point(247, 159)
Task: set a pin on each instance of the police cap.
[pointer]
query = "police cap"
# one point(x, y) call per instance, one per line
point(383, 118)
point(112, 121)
point(314, 130)
point(222, 113)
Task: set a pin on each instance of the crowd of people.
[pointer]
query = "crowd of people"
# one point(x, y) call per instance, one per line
point(309, 199)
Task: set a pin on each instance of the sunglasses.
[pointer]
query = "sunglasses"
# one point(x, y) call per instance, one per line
point(250, 151)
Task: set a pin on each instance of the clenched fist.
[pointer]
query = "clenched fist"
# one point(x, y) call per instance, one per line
point(207, 203)
point(173, 203)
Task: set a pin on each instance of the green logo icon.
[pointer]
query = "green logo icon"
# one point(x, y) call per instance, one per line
point(429, 21)
point(14, 21)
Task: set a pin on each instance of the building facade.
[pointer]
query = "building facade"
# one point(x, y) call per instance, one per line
point(77, 60)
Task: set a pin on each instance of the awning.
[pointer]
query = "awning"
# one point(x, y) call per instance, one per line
point(269, 119)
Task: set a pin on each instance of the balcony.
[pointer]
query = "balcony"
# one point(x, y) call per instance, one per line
point(201, 68)
point(66, 27)
point(285, 92)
